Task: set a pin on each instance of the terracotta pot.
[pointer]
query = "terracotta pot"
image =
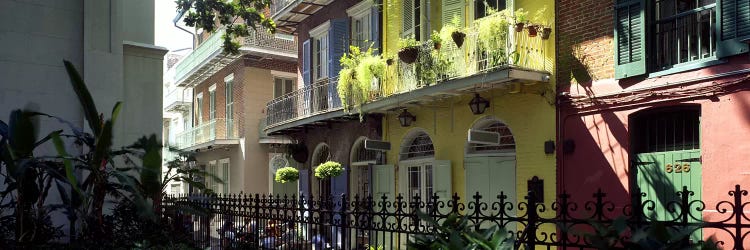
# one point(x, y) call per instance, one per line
point(546, 31)
point(437, 45)
point(533, 30)
point(408, 54)
point(458, 38)
point(519, 27)
point(389, 61)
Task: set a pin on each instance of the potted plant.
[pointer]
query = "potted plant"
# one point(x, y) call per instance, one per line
point(436, 40)
point(286, 174)
point(409, 50)
point(492, 35)
point(546, 32)
point(328, 169)
point(538, 21)
point(521, 17)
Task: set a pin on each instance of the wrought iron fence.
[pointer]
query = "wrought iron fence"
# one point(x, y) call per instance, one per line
point(289, 222)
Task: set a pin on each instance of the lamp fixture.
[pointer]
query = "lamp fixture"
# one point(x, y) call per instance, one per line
point(406, 118)
point(478, 104)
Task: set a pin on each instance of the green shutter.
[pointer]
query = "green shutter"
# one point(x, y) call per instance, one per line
point(733, 27)
point(451, 9)
point(630, 46)
point(403, 181)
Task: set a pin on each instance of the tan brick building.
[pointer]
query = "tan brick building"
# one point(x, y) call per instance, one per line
point(224, 110)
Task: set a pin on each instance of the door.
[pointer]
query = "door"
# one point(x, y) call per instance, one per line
point(662, 174)
point(489, 176)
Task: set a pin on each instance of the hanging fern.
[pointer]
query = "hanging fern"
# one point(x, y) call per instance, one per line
point(356, 78)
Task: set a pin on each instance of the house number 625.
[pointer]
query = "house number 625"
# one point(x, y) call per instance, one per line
point(677, 168)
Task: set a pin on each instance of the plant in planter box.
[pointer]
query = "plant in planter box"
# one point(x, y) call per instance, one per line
point(436, 39)
point(358, 75)
point(328, 169)
point(409, 50)
point(286, 174)
point(521, 17)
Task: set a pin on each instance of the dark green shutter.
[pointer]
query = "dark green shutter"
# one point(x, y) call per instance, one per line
point(630, 42)
point(733, 27)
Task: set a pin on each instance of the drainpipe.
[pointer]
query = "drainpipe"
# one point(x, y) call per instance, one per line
point(177, 19)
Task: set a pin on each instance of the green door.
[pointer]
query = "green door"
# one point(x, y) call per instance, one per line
point(489, 176)
point(662, 174)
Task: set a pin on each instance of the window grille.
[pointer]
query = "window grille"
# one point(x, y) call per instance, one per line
point(669, 130)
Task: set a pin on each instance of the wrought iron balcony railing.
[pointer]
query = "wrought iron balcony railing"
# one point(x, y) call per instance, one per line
point(514, 56)
point(177, 99)
point(320, 97)
point(217, 129)
point(209, 56)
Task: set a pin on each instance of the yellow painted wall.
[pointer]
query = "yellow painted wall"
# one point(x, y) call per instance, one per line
point(529, 114)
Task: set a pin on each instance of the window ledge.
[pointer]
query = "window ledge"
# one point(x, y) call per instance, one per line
point(688, 66)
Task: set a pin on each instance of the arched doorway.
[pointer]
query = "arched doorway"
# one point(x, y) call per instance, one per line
point(491, 168)
point(361, 161)
point(416, 165)
point(321, 189)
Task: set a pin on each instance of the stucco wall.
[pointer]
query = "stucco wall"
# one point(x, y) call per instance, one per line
point(529, 117)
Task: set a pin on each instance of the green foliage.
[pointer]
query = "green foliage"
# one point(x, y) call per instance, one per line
point(521, 15)
point(407, 42)
point(328, 169)
point(358, 71)
point(286, 174)
point(656, 236)
point(436, 38)
point(213, 14)
point(493, 36)
point(456, 233)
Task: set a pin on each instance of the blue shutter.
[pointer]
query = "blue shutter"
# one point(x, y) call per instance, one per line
point(630, 42)
point(733, 27)
point(339, 184)
point(338, 45)
point(304, 182)
point(375, 29)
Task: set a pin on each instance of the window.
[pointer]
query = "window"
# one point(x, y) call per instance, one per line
point(420, 146)
point(361, 15)
point(229, 97)
point(199, 108)
point(225, 175)
point(212, 105)
point(671, 130)
point(282, 87)
point(482, 7)
point(320, 56)
point(678, 35)
point(412, 19)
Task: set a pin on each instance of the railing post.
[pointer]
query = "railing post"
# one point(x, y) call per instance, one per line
point(533, 218)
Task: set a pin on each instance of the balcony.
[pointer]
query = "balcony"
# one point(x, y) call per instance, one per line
point(178, 100)
point(209, 57)
point(215, 133)
point(288, 13)
point(264, 138)
point(469, 69)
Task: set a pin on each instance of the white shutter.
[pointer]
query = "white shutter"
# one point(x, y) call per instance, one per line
point(403, 182)
point(442, 179)
point(383, 182)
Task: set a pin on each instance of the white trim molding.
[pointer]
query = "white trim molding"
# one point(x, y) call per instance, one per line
point(360, 9)
point(282, 74)
point(229, 78)
point(320, 30)
point(212, 87)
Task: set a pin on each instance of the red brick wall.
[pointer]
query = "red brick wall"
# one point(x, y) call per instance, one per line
point(235, 68)
point(585, 45)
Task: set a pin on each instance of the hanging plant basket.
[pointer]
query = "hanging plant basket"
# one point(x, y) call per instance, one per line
point(408, 54)
point(389, 61)
point(458, 38)
point(328, 169)
point(533, 29)
point(437, 46)
point(519, 27)
point(286, 174)
point(298, 152)
point(546, 31)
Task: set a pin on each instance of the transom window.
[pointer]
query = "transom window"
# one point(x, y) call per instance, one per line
point(507, 142)
point(419, 146)
point(669, 130)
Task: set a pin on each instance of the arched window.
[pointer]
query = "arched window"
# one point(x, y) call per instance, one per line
point(360, 155)
point(417, 145)
point(507, 142)
point(320, 188)
point(320, 155)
